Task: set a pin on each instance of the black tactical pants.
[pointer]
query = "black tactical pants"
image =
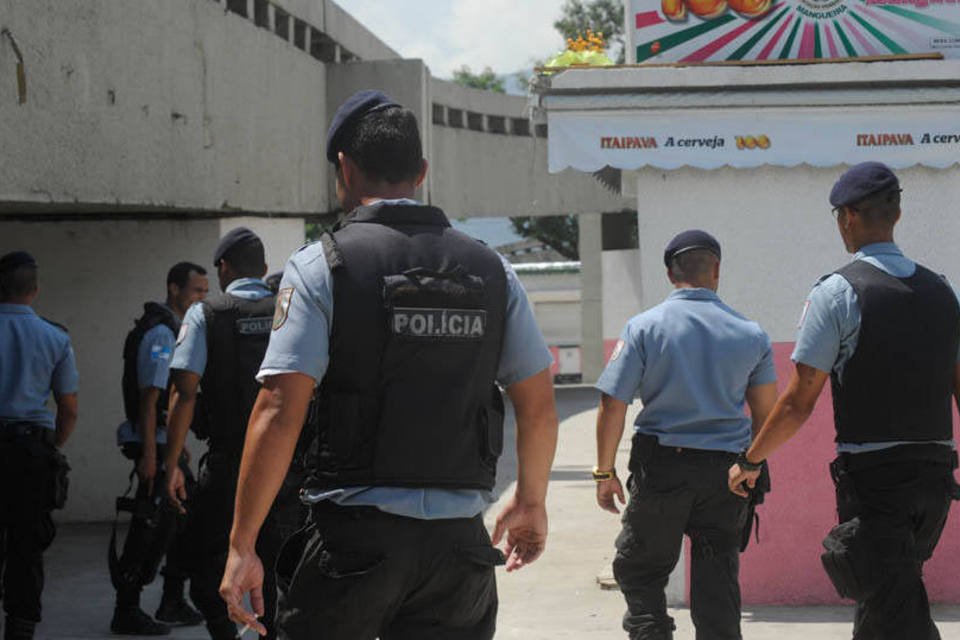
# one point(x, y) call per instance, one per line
point(154, 532)
point(210, 517)
point(903, 507)
point(357, 573)
point(675, 492)
point(26, 528)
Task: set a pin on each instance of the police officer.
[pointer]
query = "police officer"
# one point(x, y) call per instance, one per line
point(36, 358)
point(695, 362)
point(406, 324)
point(885, 330)
point(220, 347)
point(153, 531)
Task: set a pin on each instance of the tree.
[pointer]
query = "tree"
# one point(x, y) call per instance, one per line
point(562, 233)
point(600, 16)
point(486, 80)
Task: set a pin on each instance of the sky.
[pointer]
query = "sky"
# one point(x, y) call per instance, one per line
point(505, 35)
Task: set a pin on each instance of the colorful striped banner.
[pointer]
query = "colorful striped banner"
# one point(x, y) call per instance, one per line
point(792, 29)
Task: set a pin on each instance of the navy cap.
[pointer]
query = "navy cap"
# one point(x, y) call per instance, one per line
point(350, 112)
point(233, 238)
point(860, 181)
point(689, 240)
point(15, 260)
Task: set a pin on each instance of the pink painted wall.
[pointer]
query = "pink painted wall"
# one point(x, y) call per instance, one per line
point(785, 567)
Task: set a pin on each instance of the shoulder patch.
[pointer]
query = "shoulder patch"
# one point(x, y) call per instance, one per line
point(284, 296)
point(803, 314)
point(617, 350)
point(160, 352)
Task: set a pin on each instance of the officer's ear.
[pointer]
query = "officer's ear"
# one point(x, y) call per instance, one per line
point(423, 172)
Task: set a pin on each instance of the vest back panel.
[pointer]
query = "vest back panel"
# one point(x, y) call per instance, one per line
point(238, 332)
point(409, 398)
point(898, 384)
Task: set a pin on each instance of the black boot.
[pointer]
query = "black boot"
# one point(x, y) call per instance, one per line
point(18, 629)
point(133, 621)
point(177, 612)
point(222, 629)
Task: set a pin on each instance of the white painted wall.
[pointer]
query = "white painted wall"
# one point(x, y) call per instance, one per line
point(777, 234)
point(621, 290)
point(94, 278)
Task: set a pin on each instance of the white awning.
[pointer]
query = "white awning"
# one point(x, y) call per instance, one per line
point(708, 138)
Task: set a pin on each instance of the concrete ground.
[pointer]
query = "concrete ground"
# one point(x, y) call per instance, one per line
point(557, 597)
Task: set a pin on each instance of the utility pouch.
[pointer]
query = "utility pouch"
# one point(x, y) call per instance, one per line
point(59, 480)
point(851, 561)
point(757, 495)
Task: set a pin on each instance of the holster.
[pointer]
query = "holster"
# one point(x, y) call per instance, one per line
point(756, 497)
point(59, 479)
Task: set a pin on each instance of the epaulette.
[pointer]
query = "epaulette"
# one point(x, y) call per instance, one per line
point(56, 324)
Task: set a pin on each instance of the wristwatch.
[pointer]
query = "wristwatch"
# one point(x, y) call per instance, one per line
point(600, 476)
point(746, 465)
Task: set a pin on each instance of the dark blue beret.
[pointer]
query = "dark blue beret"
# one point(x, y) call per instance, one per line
point(349, 113)
point(15, 260)
point(689, 240)
point(860, 181)
point(233, 238)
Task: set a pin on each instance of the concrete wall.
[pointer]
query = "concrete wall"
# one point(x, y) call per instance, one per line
point(778, 237)
point(94, 278)
point(169, 104)
point(480, 173)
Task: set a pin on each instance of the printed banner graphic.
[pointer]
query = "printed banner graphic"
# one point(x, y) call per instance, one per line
point(713, 30)
point(590, 140)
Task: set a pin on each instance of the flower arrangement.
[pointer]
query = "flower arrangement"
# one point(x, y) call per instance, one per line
point(583, 51)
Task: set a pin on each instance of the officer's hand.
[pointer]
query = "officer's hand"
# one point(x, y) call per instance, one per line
point(525, 527)
point(243, 575)
point(606, 491)
point(176, 489)
point(147, 470)
point(740, 480)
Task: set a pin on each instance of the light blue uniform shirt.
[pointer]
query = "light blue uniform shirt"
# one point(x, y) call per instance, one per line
point(301, 344)
point(191, 350)
point(830, 323)
point(153, 370)
point(36, 358)
point(691, 358)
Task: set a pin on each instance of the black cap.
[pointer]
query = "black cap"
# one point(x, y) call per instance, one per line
point(350, 112)
point(15, 260)
point(689, 240)
point(860, 181)
point(233, 238)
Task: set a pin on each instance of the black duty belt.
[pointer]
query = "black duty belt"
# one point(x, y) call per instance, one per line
point(686, 453)
point(11, 431)
point(921, 452)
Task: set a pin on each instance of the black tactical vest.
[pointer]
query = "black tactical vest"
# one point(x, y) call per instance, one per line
point(409, 398)
point(153, 315)
point(238, 331)
point(898, 384)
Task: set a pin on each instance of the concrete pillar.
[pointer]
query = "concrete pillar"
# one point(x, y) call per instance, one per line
point(591, 278)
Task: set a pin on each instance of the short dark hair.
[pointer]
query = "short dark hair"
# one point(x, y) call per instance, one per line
point(386, 145)
point(247, 259)
point(18, 282)
point(179, 273)
point(879, 208)
point(691, 266)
